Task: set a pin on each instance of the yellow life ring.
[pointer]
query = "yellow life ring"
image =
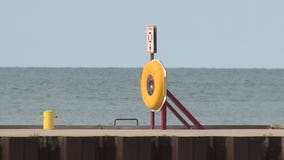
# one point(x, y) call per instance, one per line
point(153, 85)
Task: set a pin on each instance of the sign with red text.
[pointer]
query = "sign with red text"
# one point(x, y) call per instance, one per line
point(151, 39)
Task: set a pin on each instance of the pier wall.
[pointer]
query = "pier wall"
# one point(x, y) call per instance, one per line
point(141, 148)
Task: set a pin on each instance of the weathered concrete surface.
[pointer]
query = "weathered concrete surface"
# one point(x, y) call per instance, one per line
point(143, 132)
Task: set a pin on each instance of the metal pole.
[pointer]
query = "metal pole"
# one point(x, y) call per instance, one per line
point(152, 114)
point(151, 56)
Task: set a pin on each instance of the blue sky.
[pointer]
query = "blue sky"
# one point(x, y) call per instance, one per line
point(112, 33)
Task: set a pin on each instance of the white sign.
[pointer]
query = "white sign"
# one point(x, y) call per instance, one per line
point(151, 39)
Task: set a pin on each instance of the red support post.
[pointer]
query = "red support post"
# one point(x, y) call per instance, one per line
point(152, 119)
point(164, 117)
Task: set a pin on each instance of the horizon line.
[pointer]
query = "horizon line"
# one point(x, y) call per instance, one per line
point(110, 67)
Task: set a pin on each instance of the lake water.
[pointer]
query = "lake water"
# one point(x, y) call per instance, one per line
point(96, 96)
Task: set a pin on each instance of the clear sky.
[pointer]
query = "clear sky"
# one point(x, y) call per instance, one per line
point(112, 33)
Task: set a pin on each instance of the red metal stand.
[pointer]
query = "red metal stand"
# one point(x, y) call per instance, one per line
point(168, 105)
point(183, 110)
point(177, 115)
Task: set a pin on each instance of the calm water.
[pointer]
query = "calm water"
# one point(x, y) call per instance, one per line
point(96, 96)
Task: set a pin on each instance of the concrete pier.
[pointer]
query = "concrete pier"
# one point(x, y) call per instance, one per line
point(141, 144)
point(142, 133)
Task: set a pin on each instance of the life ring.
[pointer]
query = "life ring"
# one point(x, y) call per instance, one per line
point(153, 85)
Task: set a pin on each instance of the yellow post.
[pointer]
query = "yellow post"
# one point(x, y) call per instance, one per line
point(48, 119)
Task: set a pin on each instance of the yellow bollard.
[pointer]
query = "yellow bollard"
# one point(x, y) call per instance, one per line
point(48, 119)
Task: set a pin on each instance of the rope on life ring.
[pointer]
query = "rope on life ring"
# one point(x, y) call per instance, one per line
point(153, 85)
